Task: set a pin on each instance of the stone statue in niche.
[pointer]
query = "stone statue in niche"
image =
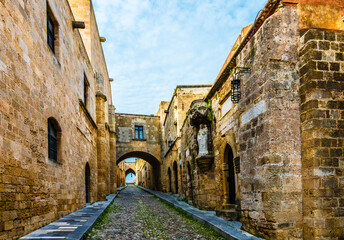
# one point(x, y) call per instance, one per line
point(202, 139)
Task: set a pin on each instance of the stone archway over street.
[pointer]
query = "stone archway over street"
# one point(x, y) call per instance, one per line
point(138, 136)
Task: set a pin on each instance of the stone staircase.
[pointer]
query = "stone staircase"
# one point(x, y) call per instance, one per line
point(228, 212)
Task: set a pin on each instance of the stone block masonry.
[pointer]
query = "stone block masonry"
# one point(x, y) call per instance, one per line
point(139, 136)
point(273, 161)
point(37, 84)
point(322, 138)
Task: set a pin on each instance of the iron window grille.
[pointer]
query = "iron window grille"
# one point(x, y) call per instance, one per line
point(138, 132)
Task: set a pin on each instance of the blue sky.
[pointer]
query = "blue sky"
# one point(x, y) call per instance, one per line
point(154, 45)
point(130, 178)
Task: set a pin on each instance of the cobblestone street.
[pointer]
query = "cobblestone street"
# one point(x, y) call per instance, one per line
point(136, 214)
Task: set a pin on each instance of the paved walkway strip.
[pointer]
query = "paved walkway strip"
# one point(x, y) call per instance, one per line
point(74, 225)
point(229, 229)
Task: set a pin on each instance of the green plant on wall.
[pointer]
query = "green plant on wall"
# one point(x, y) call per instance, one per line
point(211, 112)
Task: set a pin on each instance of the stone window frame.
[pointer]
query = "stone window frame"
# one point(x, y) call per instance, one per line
point(53, 20)
point(86, 91)
point(223, 101)
point(138, 132)
point(53, 123)
point(138, 123)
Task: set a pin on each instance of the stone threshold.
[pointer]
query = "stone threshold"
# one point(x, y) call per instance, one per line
point(74, 225)
point(228, 229)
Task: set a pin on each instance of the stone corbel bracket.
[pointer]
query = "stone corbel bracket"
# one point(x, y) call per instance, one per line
point(204, 162)
point(199, 115)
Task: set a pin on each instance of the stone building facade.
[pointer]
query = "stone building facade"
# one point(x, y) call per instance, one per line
point(263, 145)
point(138, 136)
point(172, 119)
point(275, 157)
point(144, 174)
point(57, 140)
point(120, 174)
point(123, 169)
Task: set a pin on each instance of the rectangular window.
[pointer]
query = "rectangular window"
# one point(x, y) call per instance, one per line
point(51, 32)
point(86, 91)
point(52, 141)
point(138, 132)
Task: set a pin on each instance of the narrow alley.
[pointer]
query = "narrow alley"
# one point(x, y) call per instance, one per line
point(145, 119)
point(136, 214)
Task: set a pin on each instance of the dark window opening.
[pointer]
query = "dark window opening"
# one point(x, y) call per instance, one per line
point(86, 91)
point(52, 141)
point(88, 183)
point(175, 173)
point(51, 32)
point(231, 175)
point(138, 132)
point(169, 179)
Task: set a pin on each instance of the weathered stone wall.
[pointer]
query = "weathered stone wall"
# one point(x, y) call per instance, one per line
point(171, 182)
point(123, 169)
point(37, 84)
point(273, 138)
point(321, 55)
point(263, 131)
point(120, 174)
point(290, 108)
point(125, 132)
point(144, 172)
point(198, 185)
point(163, 106)
point(172, 124)
point(148, 148)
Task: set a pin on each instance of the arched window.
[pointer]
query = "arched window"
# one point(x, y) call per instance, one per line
point(54, 135)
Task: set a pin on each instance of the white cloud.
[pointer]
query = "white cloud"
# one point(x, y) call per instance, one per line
point(153, 45)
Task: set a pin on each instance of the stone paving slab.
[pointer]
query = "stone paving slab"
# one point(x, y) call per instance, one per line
point(229, 229)
point(74, 225)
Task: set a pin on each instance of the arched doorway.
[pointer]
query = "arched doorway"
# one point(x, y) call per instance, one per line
point(153, 161)
point(189, 182)
point(87, 183)
point(169, 180)
point(230, 176)
point(175, 174)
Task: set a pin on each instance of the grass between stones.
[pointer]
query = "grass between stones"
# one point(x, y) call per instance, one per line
point(198, 227)
point(101, 221)
point(152, 222)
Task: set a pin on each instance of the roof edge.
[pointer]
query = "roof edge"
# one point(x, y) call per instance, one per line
point(266, 12)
